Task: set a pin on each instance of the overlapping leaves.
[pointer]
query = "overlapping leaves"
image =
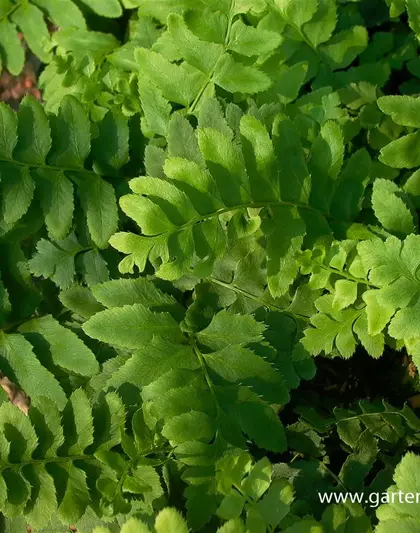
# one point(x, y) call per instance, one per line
point(213, 375)
point(31, 19)
point(206, 391)
point(220, 181)
point(400, 510)
point(44, 462)
point(42, 159)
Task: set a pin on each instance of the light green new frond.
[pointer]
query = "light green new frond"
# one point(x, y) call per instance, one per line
point(331, 331)
point(334, 331)
point(342, 317)
point(337, 262)
point(393, 208)
point(188, 215)
point(210, 61)
point(398, 512)
point(393, 270)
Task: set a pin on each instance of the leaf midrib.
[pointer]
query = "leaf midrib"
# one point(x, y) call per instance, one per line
point(249, 205)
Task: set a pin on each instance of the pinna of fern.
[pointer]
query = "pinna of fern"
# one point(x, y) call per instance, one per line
point(42, 158)
point(32, 17)
point(238, 175)
point(56, 463)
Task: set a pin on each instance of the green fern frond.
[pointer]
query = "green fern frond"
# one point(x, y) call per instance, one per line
point(39, 352)
point(396, 510)
point(54, 464)
point(56, 260)
point(201, 379)
point(44, 156)
point(31, 17)
point(342, 315)
point(392, 301)
point(215, 179)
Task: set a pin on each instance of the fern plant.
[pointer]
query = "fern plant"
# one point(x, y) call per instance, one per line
point(212, 195)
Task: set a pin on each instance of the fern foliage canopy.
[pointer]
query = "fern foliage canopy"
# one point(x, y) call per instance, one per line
point(211, 212)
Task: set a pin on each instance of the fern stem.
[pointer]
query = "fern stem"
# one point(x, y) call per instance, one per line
point(206, 375)
point(250, 205)
point(202, 90)
point(47, 460)
point(346, 275)
point(331, 473)
point(13, 9)
point(53, 167)
point(260, 300)
point(365, 415)
point(82, 457)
